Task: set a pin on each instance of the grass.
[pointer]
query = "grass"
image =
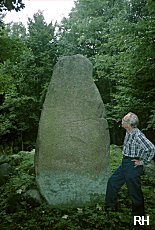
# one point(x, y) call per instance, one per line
point(17, 213)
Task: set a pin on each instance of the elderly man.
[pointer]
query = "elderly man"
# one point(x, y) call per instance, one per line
point(137, 151)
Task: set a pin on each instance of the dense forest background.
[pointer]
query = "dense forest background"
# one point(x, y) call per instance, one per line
point(117, 36)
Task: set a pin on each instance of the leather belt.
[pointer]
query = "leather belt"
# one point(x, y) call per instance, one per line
point(130, 158)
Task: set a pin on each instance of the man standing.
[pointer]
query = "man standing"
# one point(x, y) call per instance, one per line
point(137, 151)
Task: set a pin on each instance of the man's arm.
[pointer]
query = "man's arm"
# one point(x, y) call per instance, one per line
point(148, 150)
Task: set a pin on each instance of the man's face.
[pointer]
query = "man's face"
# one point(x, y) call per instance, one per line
point(125, 123)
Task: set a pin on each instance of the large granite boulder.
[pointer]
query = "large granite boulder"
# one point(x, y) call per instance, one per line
point(72, 150)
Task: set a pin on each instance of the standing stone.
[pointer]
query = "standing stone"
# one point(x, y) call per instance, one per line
point(72, 150)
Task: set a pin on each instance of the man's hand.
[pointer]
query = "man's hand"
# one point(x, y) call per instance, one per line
point(137, 162)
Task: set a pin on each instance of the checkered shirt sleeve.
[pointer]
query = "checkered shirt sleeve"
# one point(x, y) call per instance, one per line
point(137, 145)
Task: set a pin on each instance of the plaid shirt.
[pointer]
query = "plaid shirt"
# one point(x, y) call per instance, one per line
point(137, 145)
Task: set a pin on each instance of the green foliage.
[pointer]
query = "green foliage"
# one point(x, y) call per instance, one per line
point(151, 122)
point(18, 213)
point(25, 76)
point(118, 37)
point(17, 31)
point(135, 66)
point(10, 47)
point(11, 5)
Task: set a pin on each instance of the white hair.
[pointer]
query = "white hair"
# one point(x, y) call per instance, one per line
point(133, 119)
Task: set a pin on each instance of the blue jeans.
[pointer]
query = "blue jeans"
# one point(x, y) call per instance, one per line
point(126, 173)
